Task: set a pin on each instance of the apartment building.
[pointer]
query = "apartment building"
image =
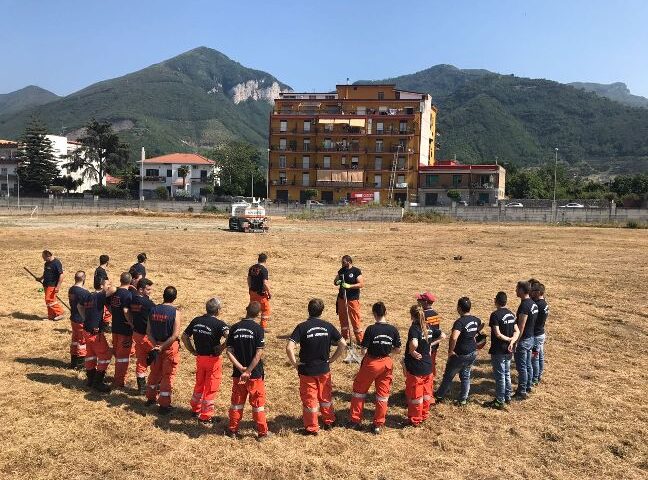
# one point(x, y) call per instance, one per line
point(477, 184)
point(359, 141)
point(8, 166)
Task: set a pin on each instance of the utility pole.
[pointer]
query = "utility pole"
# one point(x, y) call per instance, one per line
point(268, 177)
point(141, 195)
point(555, 174)
point(252, 184)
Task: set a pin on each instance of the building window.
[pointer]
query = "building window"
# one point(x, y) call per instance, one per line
point(306, 180)
point(401, 179)
point(403, 144)
point(169, 173)
point(282, 144)
point(378, 163)
point(431, 180)
point(379, 127)
point(328, 143)
point(328, 127)
point(282, 178)
point(401, 163)
point(361, 110)
point(327, 162)
point(456, 180)
point(306, 145)
point(402, 127)
point(378, 181)
point(329, 97)
point(307, 125)
point(305, 162)
point(312, 97)
point(282, 161)
point(381, 95)
point(3, 171)
point(379, 145)
point(354, 162)
point(283, 126)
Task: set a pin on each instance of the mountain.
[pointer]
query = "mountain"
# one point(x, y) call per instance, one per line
point(619, 92)
point(197, 99)
point(484, 115)
point(30, 96)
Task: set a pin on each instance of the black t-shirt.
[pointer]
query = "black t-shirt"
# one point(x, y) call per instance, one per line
point(99, 276)
point(433, 321)
point(424, 365)
point(468, 327)
point(118, 301)
point(245, 338)
point(94, 310)
point(380, 339)
point(541, 319)
point(505, 320)
point(350, 276)
point(137, 270)
point(77, 296)
point(315, 337)
point(52, 272)
point(207, 332)
point(140, 308)
point(530, 309)
point(257, 273)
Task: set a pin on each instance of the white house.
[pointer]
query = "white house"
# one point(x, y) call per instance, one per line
point(8, 166)
point(163, 172)
point(63, 147)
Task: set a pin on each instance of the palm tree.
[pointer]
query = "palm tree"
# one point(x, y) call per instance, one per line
point(183, 171)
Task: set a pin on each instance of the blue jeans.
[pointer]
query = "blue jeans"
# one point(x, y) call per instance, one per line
point(502, 373)
point(460, 364)
point(523, 364)
point(537, 357)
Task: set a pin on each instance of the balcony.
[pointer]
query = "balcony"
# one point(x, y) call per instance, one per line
point(155, 178)
point(326, 110)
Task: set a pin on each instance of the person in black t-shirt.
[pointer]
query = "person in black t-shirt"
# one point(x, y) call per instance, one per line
point(379, 341)
point(504, 333)
point(140, 309)
point(122, 327)
point(259, 288)
point(527, 313)
point(138, 270)
point(209, 336)
point(315, 337)
point(462, 351)
point(100, 273)
point(52, 279)
point(245, 344)
point(350, 281)
point(77, 296)
point(537, 353)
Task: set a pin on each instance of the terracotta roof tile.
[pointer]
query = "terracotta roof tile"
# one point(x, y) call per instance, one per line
point(181, 159)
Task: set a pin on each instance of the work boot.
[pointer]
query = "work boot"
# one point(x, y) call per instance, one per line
point(99, 384)
point(141, 385)
point(80, 363)
point(90, 375)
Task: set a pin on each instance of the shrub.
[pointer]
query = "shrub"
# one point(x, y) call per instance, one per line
point(162, 193)
point(425, 217)
point(454, 195)
point(110, 191)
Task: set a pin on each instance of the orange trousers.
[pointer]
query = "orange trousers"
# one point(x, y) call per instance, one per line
point(98, 353)
point(418, 391)
point(265, 307)
point(122, 349)
point(354, 316)
point(255, 388)
point(163, 371)
point(54, 308)
point(142, 347)
point(209, 372)
point(107, 316)
point(317, 398)
point(380, 372)
point(78, 343)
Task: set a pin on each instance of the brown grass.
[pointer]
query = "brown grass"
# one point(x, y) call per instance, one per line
point(588, 419)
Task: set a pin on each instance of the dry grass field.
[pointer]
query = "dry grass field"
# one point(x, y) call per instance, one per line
point(588, 419)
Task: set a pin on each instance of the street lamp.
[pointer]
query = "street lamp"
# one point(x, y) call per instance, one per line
point(555, 174)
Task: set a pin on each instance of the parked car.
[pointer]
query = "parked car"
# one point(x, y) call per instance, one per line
point(514, 205)
point(572, 205)
point(463, 203)
point(315, 203)
point(343, 202)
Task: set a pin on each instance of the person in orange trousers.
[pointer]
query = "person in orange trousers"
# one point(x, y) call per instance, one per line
point(418, 368)
point(259, 288)
point(140, 309)
point(245, 344)
point(163, 330)
point(350, 281)
point(98, 353)
point(122, 327)
point(77, 296)
point(315, 337)
point(52, 279)
point(379, 342)
point(426, 300)
point(207, 332)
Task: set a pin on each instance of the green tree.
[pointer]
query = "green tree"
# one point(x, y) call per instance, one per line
point(183, 171)
point(454, 195)
point(100, 153)
point(37, 167)
point(240, 164)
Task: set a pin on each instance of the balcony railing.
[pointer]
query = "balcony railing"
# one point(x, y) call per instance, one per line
point(338, 112)
point(154, 178)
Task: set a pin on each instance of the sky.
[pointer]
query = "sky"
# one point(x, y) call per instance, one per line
point(312, 45)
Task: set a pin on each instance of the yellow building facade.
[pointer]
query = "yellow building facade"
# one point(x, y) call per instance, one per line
point(359, 143)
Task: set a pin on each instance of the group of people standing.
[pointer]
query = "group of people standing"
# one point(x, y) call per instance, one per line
point(151, 333)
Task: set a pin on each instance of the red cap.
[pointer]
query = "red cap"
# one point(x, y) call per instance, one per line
point(427, 296)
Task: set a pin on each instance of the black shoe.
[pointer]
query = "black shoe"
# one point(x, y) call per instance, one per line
point(439, 399)
point(528, 390)
point(73, 362)
point(195, 414)
point(507, 400)
point(90, 375)
point(353, 426)
point(231, 434)
point(329, 426)
point(519, 396)
point(165, 410)
point(99, 384)
point(209, 421)
point(150, 402)
point(263, 438)
point(80, 363)
point(496, 404)
point(375, 430)
point(141, 385)
point(308, 433)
